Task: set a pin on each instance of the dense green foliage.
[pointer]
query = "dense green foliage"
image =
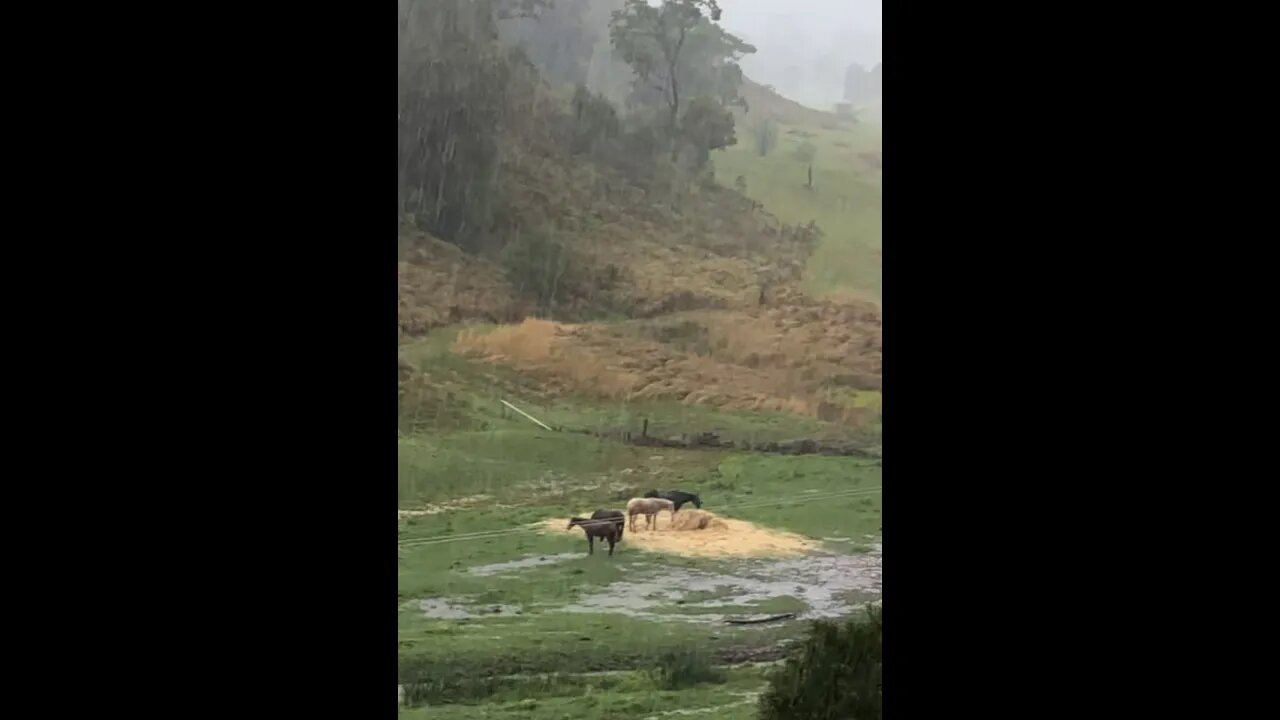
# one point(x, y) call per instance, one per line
point(458, 91)
point(495, 110)
point(835, 676)
point(681, 58)
point(551, 273)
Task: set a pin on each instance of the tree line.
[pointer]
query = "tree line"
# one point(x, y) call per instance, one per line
point(470, 72)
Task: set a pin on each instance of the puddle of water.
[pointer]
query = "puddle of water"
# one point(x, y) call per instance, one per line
point(443, 609)
point(822, 582)
point(522, 563)
point(748, 698)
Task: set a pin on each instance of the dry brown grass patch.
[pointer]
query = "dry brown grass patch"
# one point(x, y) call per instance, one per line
point(441, 285)
point(531, 341)
point(549, 349)
point(809, 361)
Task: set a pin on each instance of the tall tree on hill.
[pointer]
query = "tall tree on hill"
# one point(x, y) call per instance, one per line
point(458, 91)
point(677, 54)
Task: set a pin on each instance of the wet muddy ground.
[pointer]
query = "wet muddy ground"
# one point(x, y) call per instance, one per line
point(459, 609)
point(824, 586)
point(816, 585)
point(522, 563)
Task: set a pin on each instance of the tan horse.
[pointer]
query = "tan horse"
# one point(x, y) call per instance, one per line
point(649, 507)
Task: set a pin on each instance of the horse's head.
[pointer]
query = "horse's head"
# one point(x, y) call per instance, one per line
point(651, 493)
point(574, 522)
point(697, 502)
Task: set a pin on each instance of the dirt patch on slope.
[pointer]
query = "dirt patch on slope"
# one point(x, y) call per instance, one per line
point(816, 359)
point(441, 285)
point(704, 534)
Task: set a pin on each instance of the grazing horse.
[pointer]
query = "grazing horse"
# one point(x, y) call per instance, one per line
point(604, 524)
point(679, 497)
point(649, 507)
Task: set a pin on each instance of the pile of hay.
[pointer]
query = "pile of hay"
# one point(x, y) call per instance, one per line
point(697, 520)
point(715, 536)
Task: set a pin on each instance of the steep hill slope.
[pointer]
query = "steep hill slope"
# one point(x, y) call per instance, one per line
point(763, 101)
point(659, 281)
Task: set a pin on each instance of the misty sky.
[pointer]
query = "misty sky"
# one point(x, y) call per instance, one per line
point(804, 45)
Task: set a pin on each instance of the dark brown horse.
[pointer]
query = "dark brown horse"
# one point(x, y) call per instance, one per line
point(607, 525)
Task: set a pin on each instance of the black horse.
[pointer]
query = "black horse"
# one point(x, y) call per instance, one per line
point(607, 525)
point(679, 497)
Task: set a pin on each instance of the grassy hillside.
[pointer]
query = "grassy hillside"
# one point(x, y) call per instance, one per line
point(845, 199)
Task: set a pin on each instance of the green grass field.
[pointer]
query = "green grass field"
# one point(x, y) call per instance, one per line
point(553, 616)
point(845, 199)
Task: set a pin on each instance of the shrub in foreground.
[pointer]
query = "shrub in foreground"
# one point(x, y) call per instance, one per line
point(835, 675)
point(678, 669)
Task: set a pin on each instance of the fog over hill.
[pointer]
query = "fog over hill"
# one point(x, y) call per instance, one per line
point(805, 48)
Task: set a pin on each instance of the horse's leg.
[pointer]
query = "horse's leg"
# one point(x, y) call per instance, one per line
point(611, 546)
point(591, 545)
